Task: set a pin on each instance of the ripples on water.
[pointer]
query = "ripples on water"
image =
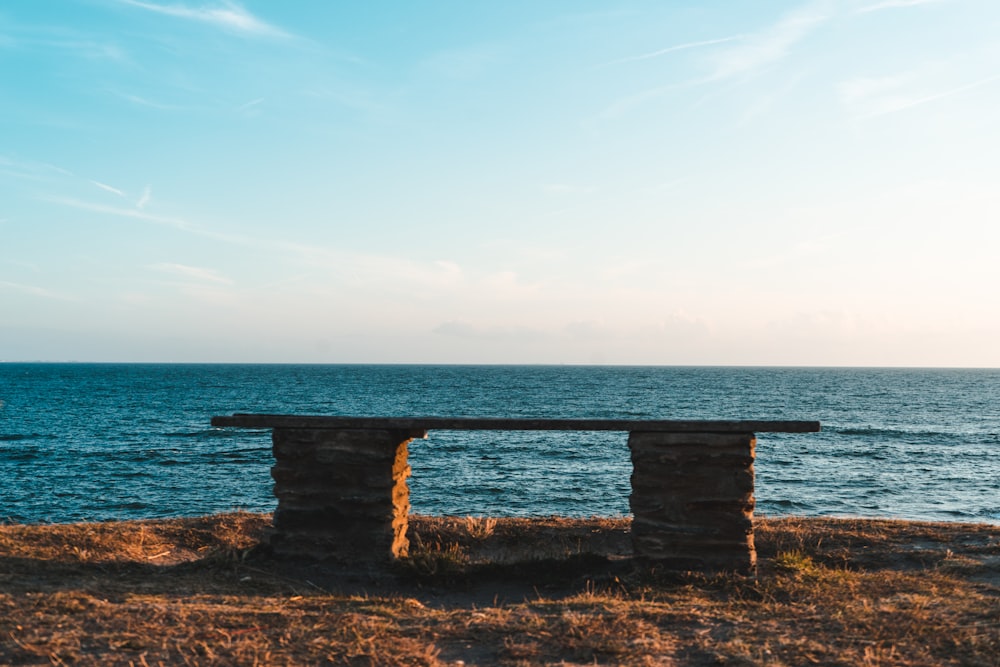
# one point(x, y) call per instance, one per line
point(94, 441)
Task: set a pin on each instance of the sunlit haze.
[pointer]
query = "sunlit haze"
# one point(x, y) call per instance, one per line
point(636, 182)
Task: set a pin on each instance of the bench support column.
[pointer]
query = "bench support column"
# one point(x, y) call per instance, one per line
point(692, 500)
point(342, 494)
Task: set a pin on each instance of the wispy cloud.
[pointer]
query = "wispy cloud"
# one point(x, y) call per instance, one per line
point(906, 104)
point(751, 53)
point(177, 223)
point(621, 106)
point(801, 251)
point(35, 171)
point(92, 50)
point(147, 194)
point(373, 270)
point(108, 188)
point(666, 186)
point(862, 89)
point(77, 48)
point(463, 329)
point(897, 4)
point(144, 102)
point(563, 189)
point(191, 272)
point(249, 105)
point(311, 253)
point(464, 64)
point(671, 49)
point(78, 43)
point(872, 97)
point(227, 16)
point(352, 97)
point(34, 291)
point(769, 45)
point(30, 266)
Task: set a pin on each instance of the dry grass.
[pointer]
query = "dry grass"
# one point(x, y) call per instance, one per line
point(498, 591)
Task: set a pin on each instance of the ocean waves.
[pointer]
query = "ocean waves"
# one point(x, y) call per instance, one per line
point(94, 442)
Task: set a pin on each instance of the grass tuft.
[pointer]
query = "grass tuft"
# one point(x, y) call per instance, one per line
point(479, 528)
point(795, 562)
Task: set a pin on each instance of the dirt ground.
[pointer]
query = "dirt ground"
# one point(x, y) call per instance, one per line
point(498, 591)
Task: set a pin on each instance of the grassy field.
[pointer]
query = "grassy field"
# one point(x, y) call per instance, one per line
point(484, 591)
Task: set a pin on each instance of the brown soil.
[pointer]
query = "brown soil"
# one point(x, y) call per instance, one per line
point(498, 591)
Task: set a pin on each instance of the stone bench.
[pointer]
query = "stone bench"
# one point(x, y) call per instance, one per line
point(342, 493)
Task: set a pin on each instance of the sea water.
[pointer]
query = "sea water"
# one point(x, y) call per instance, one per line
point(119, 441)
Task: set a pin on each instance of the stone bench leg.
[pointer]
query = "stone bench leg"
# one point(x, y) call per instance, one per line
point(342, 494)
point(692, 500)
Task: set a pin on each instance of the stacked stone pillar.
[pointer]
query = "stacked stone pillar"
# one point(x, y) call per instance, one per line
point(692, 500)
point(342, 494)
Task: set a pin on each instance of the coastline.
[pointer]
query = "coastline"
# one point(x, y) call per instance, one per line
point(498, 591)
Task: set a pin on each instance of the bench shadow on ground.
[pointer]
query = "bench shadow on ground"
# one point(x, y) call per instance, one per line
point(452, 561)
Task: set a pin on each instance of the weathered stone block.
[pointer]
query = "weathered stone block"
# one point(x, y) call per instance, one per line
point(706, 481)
point(323, 476)
point(692, 499)
point(342, 493)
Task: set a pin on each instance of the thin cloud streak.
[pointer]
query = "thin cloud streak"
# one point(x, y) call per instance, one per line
point(902, 104)
point(671, 49)
point(305, 251)
point(192, 272)
point(34, 37)
point(861, 90)
point(34, 291)
point(250, 104)
point(176, 223)
point(143, 102)
point(231, 16)
point(897, 4)
point(108, 188)
point(620, 106)
point(31, 170)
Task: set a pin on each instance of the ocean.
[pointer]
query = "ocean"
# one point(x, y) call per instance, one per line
point(95, 442)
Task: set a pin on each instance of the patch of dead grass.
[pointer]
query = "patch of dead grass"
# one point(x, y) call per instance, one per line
point(161, 541)
point(194, 591)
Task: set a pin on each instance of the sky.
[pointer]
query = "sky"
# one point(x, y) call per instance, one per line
point(688, 182)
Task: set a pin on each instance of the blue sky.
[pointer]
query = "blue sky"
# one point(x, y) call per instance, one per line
point(775, 182)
